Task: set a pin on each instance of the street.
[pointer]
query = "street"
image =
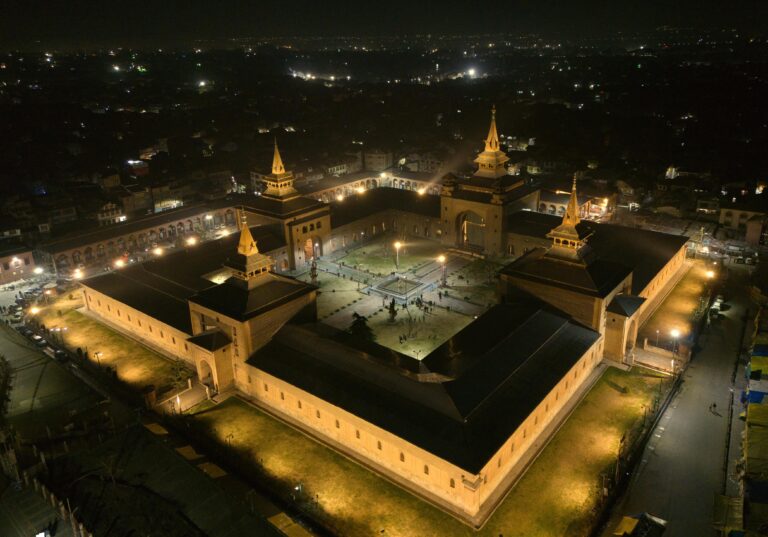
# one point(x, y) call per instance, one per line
point(681, 470)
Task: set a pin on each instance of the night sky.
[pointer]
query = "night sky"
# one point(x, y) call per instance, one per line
point(81, 22)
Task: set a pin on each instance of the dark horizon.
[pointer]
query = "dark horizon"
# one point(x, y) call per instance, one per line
point(82, 23)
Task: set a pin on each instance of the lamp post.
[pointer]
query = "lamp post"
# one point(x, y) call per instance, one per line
point(657, 338)
point(398, 245)
point(441, 259)
point(97, 354)
point(675, 333)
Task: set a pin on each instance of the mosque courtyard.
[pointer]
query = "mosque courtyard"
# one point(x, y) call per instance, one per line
point(364, 281)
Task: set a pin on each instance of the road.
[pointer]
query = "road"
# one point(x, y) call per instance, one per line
point(682, 467)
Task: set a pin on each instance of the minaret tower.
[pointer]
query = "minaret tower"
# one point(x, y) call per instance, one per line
point(490, 163)
point(279, 182)
point(567, 241)
point(248, 265)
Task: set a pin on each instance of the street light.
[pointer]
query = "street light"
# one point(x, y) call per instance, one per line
point(98, 354)
point(34, 310)
point(398, 245)
point(38, 270)
point(77, 274)
point(191, 241)
point(158, 251)
point(710, 274)
point(441, 260)
point(675, 334)
point(119, 263)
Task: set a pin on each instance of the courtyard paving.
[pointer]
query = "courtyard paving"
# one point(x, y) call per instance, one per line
point(344, 282)
point(557, 496)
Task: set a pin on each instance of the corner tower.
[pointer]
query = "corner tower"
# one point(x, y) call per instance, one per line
point(567, 240)
point(490, 163)
point(249, 266)
point(279, 182)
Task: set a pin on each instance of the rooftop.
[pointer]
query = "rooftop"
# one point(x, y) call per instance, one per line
point(510, 358)
point(382, 199)
point(644, 251)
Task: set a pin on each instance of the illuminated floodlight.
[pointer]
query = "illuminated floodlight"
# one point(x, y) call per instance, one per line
point(422, 191)
point(158, 251)
point(116, 68)
point(34, 310)
point(675, 333)
point(383, 175)
point(202, 84)
point(339, 198)
point(191, 241)
point(441, 259)
point(209, 217)
point(38, 270)
point(472, 72)
point(119, 263)
point(360, 189)
point(77, 274)
point(710, 274)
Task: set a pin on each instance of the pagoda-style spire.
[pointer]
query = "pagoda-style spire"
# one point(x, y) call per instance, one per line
point(492, 142)
point(567, 240)
point(490, 163)
point(277, 162)
point(571, 217)
point(246, 246)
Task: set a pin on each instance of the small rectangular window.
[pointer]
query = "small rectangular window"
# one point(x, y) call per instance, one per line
point(266, 387)
point(298, 403)
point(357, 434)
point(378, 444)
point(338, 425)
point(282, 396)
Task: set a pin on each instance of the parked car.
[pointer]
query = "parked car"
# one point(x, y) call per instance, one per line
point(41, 342)
point(60, 356)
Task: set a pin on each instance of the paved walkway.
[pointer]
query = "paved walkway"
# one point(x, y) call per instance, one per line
point(681, 470)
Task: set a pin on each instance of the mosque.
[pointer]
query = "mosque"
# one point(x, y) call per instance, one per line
point(458, 426)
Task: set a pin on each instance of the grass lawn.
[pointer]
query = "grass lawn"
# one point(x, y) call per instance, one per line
point(554, 498)
point(676, 312)
point(423, 337)
point(135, 364)
point(378, 256)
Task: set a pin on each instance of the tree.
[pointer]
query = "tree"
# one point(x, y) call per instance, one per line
point(392, 311)
point(360, 329)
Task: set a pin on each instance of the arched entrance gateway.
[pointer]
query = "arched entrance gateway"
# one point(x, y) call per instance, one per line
point(205, 374)
point(470, 230)
point(312, 249)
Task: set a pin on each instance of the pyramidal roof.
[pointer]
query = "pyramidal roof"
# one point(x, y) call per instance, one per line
point(277, 162)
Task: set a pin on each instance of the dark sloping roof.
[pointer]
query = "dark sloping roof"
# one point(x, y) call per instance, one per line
point(134, 225)
point(211, 340)
point(281, 209)
point(646, 252)
point(509, 359)
point(597, 278)
point(625, 305)
point(148, 293)
point(382, 199)
point(161, 287)
point(240, 303)
point(187, 266)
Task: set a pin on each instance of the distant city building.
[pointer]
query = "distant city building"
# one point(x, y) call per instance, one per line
point(378, 161)
point(16, 262)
